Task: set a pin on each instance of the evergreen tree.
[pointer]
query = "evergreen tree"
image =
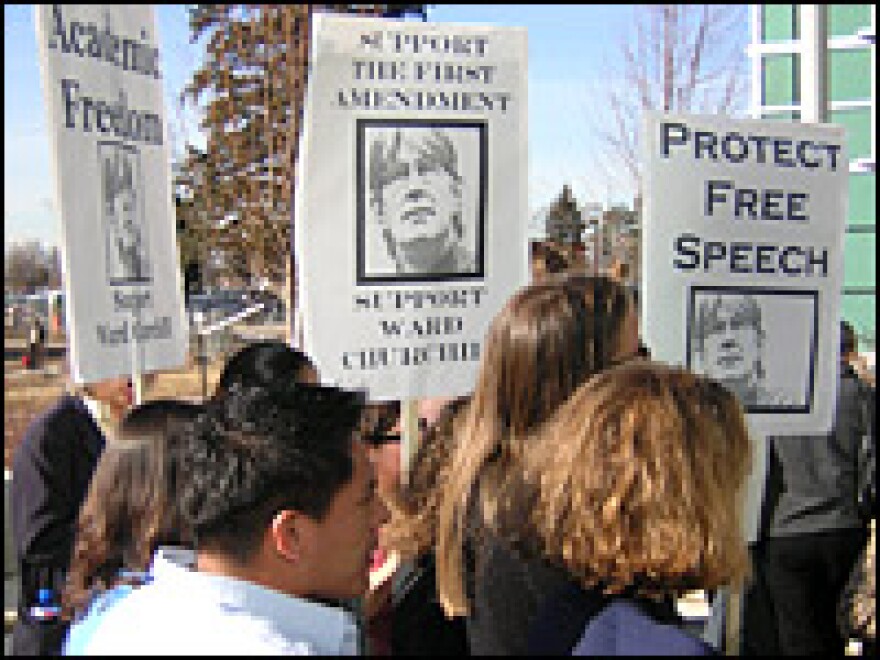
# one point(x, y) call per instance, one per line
point(235, 194)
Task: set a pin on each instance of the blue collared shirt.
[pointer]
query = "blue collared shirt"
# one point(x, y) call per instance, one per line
point(182, 611)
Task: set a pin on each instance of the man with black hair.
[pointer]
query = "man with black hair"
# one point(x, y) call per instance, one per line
point(282, 500)
point(266, 364)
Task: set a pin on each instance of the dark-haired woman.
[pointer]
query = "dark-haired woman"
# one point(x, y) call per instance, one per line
point(130, 511)
point(549, 338)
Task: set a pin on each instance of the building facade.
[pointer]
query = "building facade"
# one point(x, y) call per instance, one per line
point(789, 44)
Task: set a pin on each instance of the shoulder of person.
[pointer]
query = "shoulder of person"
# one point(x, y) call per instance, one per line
point(50, 427)
point(623, 628)
point(856, 390)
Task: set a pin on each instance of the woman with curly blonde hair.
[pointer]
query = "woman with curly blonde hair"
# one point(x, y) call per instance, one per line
point(639, 479)
point(547, 340)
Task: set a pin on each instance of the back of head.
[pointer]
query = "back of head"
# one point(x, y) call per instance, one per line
point(638, 480)
point(548, 339)
point(131, 507)
point(258, 450)
point(266, 364)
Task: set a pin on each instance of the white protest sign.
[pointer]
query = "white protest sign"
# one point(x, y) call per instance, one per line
point(103, 90)
point(411, 200)
point(743, 260)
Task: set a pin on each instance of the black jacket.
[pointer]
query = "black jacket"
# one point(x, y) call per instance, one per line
point(51, 470)
point(418, 624)
point(812, 482)
point(506, 588)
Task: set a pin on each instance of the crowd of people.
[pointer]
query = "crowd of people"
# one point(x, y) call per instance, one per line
point(561, 507)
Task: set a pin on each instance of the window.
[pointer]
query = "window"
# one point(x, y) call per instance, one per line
point(780, 79)
point(857, 122)
point(779, 23)
point(862, 199)
point(846, 20)
point(860, 309)
point(849, 74)
point(860, 262)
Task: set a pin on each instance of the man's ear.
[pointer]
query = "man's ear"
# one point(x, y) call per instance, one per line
point(291, 535)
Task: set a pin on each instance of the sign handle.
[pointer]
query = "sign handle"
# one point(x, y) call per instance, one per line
point(137, 378)
point(410, 435)
point(733, 626)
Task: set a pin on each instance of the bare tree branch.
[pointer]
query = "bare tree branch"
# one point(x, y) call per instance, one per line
point(679, 58)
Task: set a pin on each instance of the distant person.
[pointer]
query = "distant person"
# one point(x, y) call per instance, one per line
point(729, 346)
point(635, 488)
point(416, 189)
point(550, 337)
point(51, 470)
point(36, 342)
point(281, 498)
point(546, 260)
point(815, 530)
point(130, 511)
point(853, 358)
point(266, 364)
point(857, 608)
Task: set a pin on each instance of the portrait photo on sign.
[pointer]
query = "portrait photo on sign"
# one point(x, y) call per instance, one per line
point(421, 200)
point(125, 238)
point(759, 343)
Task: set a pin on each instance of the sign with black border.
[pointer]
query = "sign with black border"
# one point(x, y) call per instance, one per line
point(376, 244)
point(411, 202)
point(768, 319)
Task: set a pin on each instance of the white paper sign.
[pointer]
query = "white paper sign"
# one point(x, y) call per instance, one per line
point(103, 90)
point(411, 200)
point(743, 260)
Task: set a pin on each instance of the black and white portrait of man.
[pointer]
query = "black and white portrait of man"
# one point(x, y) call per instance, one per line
point(729, 341)
point(422, 217)
point(125, 240)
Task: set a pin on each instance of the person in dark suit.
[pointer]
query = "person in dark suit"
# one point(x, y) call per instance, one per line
point(51, 469)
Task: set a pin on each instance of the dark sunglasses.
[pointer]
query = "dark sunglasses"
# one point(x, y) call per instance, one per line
point(379, 439)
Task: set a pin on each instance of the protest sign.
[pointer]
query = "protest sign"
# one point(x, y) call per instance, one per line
point(743, 260)
point(411, 200)
point(103, 88)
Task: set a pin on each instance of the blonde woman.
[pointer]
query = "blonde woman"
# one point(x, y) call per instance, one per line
point(639, 483)
point(547, 340)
